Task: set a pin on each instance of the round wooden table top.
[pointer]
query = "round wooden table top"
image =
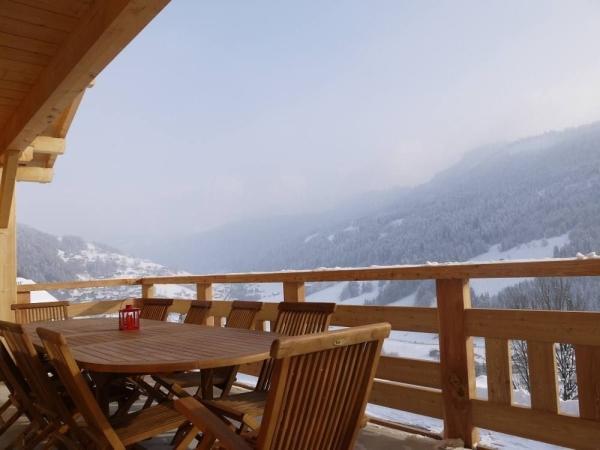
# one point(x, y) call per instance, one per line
point(158, 347)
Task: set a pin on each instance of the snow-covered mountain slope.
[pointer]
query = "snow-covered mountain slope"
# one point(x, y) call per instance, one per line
point(502, 201)
point(43, 257)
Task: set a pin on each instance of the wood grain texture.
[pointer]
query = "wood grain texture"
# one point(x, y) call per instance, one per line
point(546, 268)
point(542, 376)
point(415, 399)
point(40, 312)
point(499, 372)
point(157, 347)
point(419, 372)
point(293, 292)
point(560, 267)
point(8, 182)
point(540, 326)
point(567, 431)
point(588, 381)
point(8, 267)
point(456, 360)
point(89, 44)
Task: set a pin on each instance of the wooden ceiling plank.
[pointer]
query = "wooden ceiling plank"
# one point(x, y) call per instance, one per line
point(20, 77)
point(11, 93)
point(21, 67)
point(30, 45)
point(7, 186)
point(73, 8)
point(105, 29)
point(37, 16)
point(15, 86)
point(15, 27)
point(24, 56)
point(7, 101)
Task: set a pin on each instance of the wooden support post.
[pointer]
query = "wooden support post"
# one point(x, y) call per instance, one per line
point(23, 297)
point(293, 292)
point(7, 186)
point(588, 381)
point(204, 291)
point(456, 360)
point(148, 291)
point(8, 266)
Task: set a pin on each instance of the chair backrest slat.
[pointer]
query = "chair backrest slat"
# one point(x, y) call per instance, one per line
point(45, 396)
point(155, 308)
point(242, 314)
point(295, 319)
point(75, 384)
point(198, 312)
point(16, 384)
point(40, 312)
point(321, 384)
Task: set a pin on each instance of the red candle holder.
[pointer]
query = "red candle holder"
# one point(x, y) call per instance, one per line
point(129, 318)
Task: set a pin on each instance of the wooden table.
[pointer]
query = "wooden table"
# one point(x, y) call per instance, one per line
point(158, 347)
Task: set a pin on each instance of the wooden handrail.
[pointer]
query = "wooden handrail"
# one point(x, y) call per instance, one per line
point(558, 267)
point(443, 389)
point(80, 284)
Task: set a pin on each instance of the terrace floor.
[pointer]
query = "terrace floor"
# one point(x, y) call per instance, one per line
point(372, 437)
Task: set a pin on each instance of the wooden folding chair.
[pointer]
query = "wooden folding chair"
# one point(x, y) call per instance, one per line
point(242, 315)
point(198, 313)
point(129, 429)
point(53, 419)
point(293, 319)
point(155, 308)
point(19, 397)
point(40, 312)
point(305, 411)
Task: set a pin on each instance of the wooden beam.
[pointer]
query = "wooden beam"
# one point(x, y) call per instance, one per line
point(26, 155)
point(8, 267)
point(61, 126)
point(35, 174)
point(456, 361)
point(48, 145)
point(293, 292)
point(588, 381)
point(567, 327)
point(102, 32)
point(7, 186)
point(557, 429)
point(558, 267)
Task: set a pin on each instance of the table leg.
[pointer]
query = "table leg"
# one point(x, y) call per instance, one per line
point(102, 382)
point(206, 387)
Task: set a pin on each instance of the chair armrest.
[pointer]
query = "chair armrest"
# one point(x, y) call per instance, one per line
point(207, 422)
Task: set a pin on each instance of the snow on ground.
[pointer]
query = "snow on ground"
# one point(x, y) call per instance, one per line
point(488, 438)
point(537, 249)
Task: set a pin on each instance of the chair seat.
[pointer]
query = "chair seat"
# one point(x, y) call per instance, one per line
point(246, 407)
point(147, 423)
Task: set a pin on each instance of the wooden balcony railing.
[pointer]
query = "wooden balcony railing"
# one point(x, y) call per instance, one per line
point(444, 389)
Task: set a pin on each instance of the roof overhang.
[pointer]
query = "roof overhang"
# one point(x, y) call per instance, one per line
point(49, 54)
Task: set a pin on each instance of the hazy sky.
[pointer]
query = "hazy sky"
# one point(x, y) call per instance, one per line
point(221, 110)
